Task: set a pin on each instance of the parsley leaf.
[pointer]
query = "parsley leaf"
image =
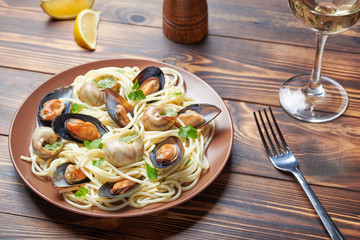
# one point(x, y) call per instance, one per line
point(93, 144)
point(136, 94)
point(177, 93)
point(151, 172)
point(81, 192)
point(188, 131)
point(187, 163)
point(76, 108)
point(136, 85)
point(98, 163)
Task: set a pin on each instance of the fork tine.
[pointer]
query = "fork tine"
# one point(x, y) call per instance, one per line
point(262, 135)
point(267, 133)
point(279, 132)
point(272, 129)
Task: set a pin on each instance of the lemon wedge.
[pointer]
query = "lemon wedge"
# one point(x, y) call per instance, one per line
point(85, 30)
point(64, 9)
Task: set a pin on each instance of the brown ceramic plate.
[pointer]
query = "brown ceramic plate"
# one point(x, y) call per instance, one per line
point(23, 126)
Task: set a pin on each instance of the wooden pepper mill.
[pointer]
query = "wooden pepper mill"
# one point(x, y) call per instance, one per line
point(185, 21)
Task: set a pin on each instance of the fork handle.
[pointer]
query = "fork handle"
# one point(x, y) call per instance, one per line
point(324, 216)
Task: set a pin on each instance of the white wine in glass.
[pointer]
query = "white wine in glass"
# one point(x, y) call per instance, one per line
point(312, 97)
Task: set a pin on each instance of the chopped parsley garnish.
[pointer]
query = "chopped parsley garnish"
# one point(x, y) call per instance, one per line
point(128, 138)
point(177, 93)
point(169, 112)
point(55, 146)
point(81, 192)
point(106, 82)
point(151, 172)
point(93, 144)
point(136, 94)
point(188, 131)
point(98, 162)
point(77, 108)
point(187, 163)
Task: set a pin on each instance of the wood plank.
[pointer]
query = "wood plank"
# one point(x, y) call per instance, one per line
point(328, 153)
point(258, 207)
point(237, 69)
point(15, 87)
point(19, 227)
point(271, 20)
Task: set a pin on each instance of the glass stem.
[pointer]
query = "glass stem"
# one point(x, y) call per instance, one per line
point(314, 86)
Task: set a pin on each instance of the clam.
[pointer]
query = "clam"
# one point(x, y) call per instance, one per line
point(117, 107)
point(124, 150)
point(114, 189)
point(197, 115)
point(158, 118)
point(78, 127)
point(50, 106)
point(151, 80)
point(167, 153)
point(46, 143)
point(67, 175)
point(91, 92)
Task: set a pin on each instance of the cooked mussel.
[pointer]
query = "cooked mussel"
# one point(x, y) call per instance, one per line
point(151, 80)
point(78, 127)
point(46, 143)
point(167, 153)
point(124, 150)
point(67, 175)
point(197, 115)
point(50, 106)
point(117, 107)
point(158, 118)
point(91, 91)
point(114, 189)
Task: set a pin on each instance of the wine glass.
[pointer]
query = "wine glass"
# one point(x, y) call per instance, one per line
point(312, 97)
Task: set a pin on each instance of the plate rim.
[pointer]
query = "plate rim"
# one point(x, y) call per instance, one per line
point(164, 206)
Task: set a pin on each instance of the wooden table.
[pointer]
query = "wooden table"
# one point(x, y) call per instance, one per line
point(252, 47)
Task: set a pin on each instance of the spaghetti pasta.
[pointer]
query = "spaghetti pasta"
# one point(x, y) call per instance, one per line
point(170, 181)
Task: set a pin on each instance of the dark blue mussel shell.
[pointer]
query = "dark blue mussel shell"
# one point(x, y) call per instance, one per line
point(61, 92)
point(58, 124)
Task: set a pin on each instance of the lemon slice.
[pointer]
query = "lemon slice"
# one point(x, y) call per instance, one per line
point(64, 9)
point(85, 30)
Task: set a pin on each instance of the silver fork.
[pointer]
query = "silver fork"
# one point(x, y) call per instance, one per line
point(283, 159)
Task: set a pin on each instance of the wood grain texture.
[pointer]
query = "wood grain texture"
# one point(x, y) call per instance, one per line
point(237, 69)
point(330, 159)
point(235, 205)
point(250, 50)
point(15, 87)
point(268, 21)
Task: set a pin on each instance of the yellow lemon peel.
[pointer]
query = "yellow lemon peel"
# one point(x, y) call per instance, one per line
point(65, 9)
point(85, 30)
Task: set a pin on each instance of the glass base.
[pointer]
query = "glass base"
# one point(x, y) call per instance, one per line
point(308, 107)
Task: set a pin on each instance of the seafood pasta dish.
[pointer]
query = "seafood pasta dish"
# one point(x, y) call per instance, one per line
point(120, 137)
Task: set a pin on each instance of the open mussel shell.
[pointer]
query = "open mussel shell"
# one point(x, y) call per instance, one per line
point(112, 100)
point(61, 92)
point(208, 111)
point(58, 178)
point(179, 152)
point(150, 73)
point(59, 125)
point(105, 190)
